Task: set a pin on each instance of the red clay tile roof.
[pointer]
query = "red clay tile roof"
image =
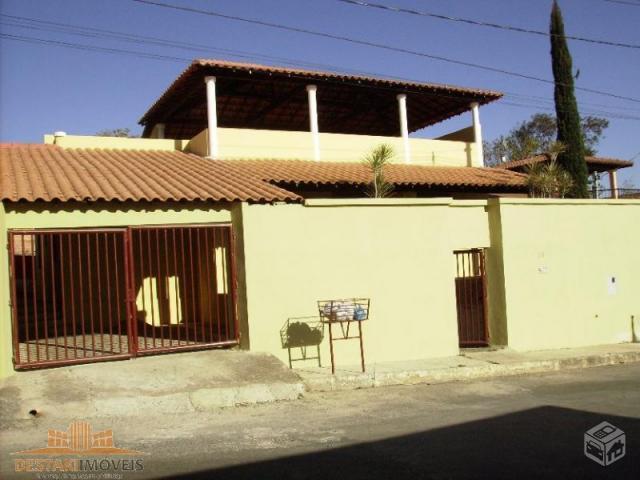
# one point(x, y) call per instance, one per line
point(47, 172)
point(50, 173)
point(324, 74)
point(315, 75)
point(347, 103)
point(595, 164)
point(331, 173)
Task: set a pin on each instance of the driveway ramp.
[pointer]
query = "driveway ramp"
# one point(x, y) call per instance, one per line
point(175, 383)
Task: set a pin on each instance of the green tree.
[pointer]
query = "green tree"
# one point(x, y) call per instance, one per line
point(375, 161)
point(117, 132)
point(537, 134)
point(592, 131)
point(568, 118)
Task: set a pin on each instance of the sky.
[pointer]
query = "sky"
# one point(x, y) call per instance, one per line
point(48, 87)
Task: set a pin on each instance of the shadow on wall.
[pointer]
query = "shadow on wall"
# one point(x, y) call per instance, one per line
point(300, 333)
point(545, 442)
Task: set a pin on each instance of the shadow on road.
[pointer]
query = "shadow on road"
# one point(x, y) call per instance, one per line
point(544, 442)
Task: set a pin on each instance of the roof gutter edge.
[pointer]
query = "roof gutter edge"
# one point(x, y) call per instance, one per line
point(378, 202)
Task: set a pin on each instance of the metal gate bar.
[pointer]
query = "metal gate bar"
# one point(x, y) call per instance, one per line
point(183, 287)
point(65, 288)
point(471, 298)
point(87, 295)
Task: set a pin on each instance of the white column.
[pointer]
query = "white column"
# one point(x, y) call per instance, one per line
point(613, 183)
point(404, 126)
point(477, 135)
point(212, 116)
point(313, 120)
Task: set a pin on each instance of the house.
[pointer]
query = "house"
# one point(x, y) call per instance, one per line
point(595, 165)
point(243, 206)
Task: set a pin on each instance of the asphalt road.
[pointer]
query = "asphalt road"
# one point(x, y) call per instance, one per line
point(516, 427)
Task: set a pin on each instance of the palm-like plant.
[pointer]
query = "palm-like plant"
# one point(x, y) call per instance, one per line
point(376, 161)
point(550, 180)
point(555, 149)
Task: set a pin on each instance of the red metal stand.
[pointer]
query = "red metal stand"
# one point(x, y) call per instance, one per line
point(344, 312)
point(345, 336)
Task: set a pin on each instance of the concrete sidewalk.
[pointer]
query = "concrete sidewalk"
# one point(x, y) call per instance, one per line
point(208, 380)
point(162, 384)
point(470, 364)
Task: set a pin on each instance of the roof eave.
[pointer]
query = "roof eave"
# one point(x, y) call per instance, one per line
point(203, 66)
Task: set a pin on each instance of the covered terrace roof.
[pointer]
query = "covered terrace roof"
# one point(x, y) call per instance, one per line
point(594, 164)
point(274, 98)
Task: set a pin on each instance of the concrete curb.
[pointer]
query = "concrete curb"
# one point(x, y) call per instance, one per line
point(351, 381)
point(204, 399)
point(212, 398)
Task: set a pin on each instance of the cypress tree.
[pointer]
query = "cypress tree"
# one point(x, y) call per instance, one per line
point(568, 118)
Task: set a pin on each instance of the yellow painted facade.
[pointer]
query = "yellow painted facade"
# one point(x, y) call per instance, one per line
point(122, 143)
point(13, 216)
point(6, 348)
point(82, 215)
point(496, 285)
point(550, 267)
point(559, 258)
point(238, 143)
point(561, 273)
point(398, 252)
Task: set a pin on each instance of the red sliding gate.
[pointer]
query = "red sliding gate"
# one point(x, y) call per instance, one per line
point(88, 295)
point(184, 279)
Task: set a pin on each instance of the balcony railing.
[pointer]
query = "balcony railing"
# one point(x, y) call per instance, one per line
point(621, 193)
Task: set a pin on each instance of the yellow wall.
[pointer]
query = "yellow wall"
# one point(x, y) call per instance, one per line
point(397, 252)
point(6, 348)
point(238, 143)
point(557, 258)
point(123, 143)
point(548, 265)
point(496, 302)
point(245, 143)
point(83, 215)
point(112, 215)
